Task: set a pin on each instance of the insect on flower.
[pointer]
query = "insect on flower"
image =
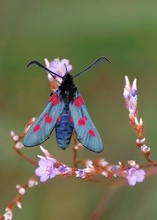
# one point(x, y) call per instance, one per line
point(65, 111)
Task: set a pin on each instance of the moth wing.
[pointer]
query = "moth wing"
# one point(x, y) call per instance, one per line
point(43, 126)
point(85, 130)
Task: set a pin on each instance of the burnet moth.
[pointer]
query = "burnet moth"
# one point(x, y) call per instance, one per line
point(65, 111)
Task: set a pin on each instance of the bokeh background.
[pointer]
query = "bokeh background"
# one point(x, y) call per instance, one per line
point(125, 32)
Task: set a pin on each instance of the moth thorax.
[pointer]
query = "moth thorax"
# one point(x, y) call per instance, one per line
point(66, 96)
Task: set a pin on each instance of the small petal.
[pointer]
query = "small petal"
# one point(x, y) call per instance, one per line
point(45, 151)
point(44, 177)
point(39, 171)
point(140, 176)
point(136, 121)
point(19, 205)
point(66, 63)
point(126, 93)
point(141, 122)
point(42, 164)
point(127, 83)
point(132, 180)
point(47, 63)
point(12, 133)
point(134, 85)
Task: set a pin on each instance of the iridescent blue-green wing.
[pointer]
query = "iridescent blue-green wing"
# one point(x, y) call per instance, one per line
point(43, 126)
point(86, 132)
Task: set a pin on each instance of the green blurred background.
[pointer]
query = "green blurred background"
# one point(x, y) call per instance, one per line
point(125, 32)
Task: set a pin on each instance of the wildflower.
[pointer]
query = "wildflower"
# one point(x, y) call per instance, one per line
point(134, 175)
point(46, 169)
point(58, 66)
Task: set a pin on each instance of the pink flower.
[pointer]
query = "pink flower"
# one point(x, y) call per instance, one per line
point(58, 66)
point(46, 169)
point(135, 175)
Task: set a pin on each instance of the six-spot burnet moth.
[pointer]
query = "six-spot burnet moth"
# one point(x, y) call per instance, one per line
point(65, 111)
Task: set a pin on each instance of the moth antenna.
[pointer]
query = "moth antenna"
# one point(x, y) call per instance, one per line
point(66, 68)
point(92, 65)
point(42, 66)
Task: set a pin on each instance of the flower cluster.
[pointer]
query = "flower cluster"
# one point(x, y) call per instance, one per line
point(49, 167)
point(130, 96)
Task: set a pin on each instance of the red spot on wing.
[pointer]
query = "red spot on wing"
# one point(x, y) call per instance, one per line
point(59, 118)
point(78, 101)
point(91, 132)
point(46, 113)
point(53, 97)
point(37, 128)
point(71, 119)
point(85, 117)
point(48, 119)
point(81, 122)
point(56, 101)
point(81, 100)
